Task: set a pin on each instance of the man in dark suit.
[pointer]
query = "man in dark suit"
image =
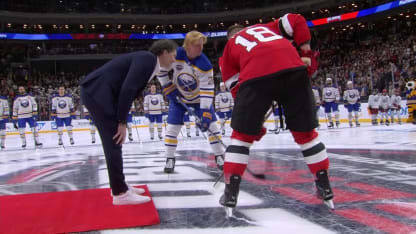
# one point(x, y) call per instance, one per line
point(108, 93)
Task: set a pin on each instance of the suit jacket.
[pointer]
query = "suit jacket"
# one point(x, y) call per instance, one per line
point(114, 85)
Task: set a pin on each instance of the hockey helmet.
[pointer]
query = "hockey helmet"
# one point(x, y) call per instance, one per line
point(349, 84)
point(328, 81)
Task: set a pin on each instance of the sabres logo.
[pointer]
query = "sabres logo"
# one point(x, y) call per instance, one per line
point(224, 99)
point(187, 82)
point(352, 96)
point(62, 104)
point(154, 101)
point(24, 103)
point(328, 93)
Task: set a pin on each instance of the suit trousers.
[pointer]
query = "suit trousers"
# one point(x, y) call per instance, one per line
point(107, 127)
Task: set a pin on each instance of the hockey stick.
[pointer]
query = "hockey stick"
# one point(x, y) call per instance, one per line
point(138, 136)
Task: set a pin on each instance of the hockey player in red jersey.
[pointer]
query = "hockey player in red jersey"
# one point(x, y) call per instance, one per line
point(260, 66)
point(294, 28)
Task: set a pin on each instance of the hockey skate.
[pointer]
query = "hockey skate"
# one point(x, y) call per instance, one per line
point(357, 124)
point(331, 125)
point(188, 135)
point(2, 145)
point(351, 125)
point(223, 132)
point(38, 144)
point(60, 142)
point(229, 198)
point(323, 188)
point(170, 165)
point(160, 137)
point(197, 133)
point(337, 124)
point(130, 137)
point(24, 145)
point(71, 140)
point(387, 123)
point(219, 160)
point(381, 122)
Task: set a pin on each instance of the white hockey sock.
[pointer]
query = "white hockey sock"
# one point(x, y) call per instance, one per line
point(171, 139)
point(214, 139)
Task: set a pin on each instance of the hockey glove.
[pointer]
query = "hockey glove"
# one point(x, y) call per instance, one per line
point(313, 56)
point(171, 92)
point(206, 119)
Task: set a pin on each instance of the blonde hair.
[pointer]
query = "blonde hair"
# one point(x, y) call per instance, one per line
point(193, 36)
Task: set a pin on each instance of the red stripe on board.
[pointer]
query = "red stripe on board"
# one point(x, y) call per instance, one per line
point(400, 210)
point(375, 221)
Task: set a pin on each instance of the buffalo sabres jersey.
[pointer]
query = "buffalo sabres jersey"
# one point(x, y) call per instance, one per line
point(62, 106)
point(224, 102)
point(316, 95)
point(351, 96)
point(395, 101)
point(24, 106)
point(330, 94)
point(154, 104)
point(374, 101)
point(384, 102)
point(4, 108)
point(193, 78)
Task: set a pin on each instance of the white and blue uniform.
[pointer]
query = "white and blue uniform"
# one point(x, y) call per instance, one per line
point(352, 104)
point(63, 112)
point(194, 81)
point(4, 118)
point(91, 122)
point(25, 110)
point(330, 97)
point(224, 104)
point(154, 106)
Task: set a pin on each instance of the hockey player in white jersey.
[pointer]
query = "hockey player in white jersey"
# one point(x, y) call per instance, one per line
point(384, 108)
point(224, 103)
point(4, 118)
point(352, 103)
point(62, 111)
point(373, 106)
point(193, 83)
point(25, 110)
point(91, 122)
point(330, 100)
point(317, 103)
point(154, 106)
point(130, 121)
point(395, 107)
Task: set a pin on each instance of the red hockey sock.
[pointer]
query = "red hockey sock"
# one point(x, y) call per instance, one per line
point(313, 150)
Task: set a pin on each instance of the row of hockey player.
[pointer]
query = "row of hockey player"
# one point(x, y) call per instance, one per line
point(331, 99)
point(385, 106)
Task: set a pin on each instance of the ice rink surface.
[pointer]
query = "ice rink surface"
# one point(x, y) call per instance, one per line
point(373, 175)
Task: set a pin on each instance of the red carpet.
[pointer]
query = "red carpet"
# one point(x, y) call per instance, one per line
point(71, 211)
